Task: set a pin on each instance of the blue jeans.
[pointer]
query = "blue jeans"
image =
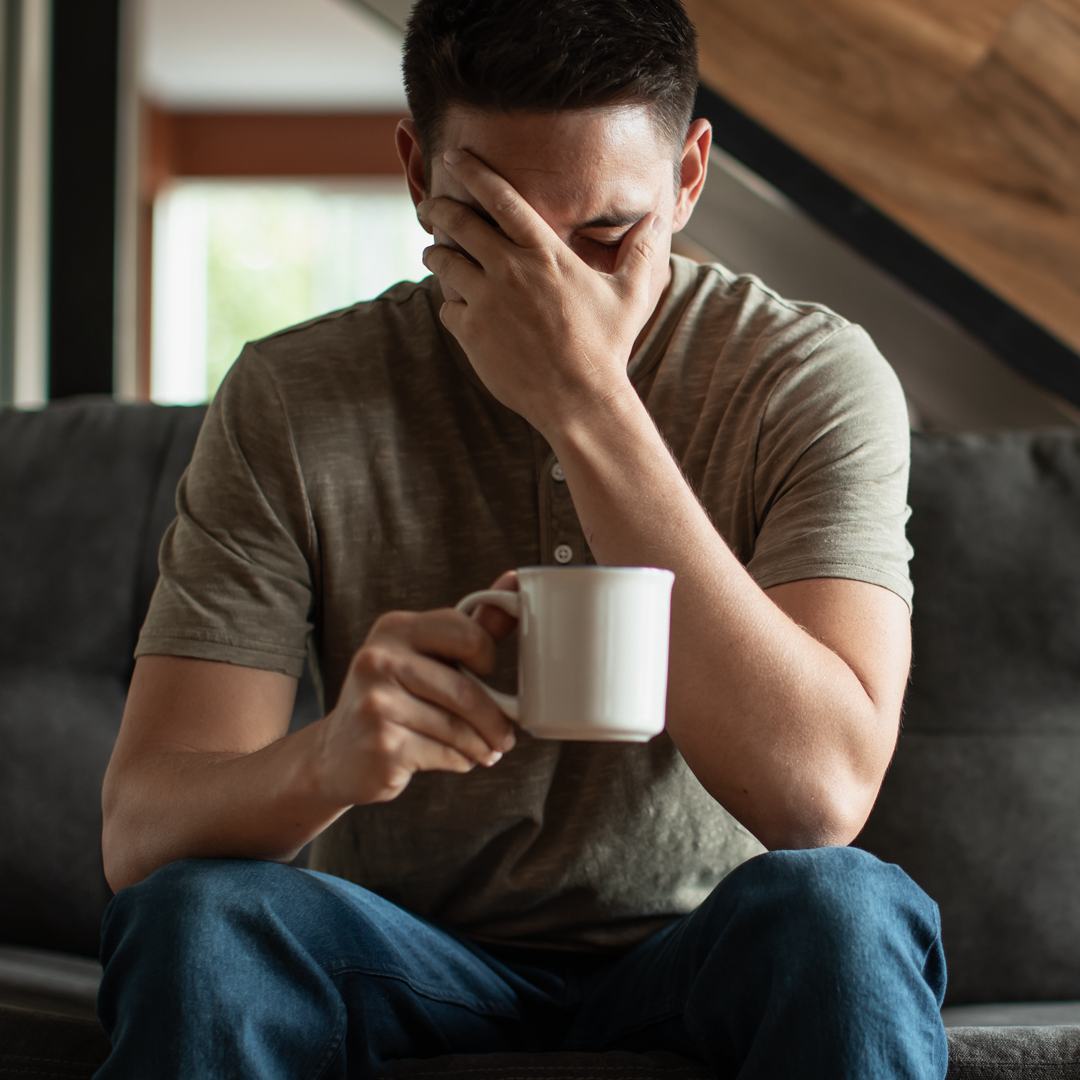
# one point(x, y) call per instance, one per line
point(822, 963)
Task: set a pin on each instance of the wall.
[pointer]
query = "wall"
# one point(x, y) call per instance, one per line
point(960, 120)
point(953, 383)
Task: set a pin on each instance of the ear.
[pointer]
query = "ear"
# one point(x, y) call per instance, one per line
point(412, 159)
point(694, 165)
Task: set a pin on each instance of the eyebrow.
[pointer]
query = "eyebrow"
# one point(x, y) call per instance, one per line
point(611, 221)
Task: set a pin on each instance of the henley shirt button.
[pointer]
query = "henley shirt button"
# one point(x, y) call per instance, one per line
point(557, 473)
point(564, 553)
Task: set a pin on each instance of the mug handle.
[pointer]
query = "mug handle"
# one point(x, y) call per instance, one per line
point(510, 602)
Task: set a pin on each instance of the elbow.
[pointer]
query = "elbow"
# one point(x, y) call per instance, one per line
point(118, 841)
point(122, 866)
point(825, 814)
point(119, 872)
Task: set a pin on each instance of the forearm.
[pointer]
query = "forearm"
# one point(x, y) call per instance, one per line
point(776, 726)
point(203, 767)
point(174, 803)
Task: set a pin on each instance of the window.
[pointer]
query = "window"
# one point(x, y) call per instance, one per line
point(237, 260)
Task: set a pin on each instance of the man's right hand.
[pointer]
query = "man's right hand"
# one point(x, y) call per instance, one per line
point(204, 766)
point(403, 710)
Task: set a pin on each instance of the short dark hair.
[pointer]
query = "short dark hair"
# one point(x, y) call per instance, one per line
point(547, 56)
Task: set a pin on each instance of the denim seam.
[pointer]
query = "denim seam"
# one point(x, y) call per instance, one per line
point(667, 1012)
point(431, 994)
point(331, 1053)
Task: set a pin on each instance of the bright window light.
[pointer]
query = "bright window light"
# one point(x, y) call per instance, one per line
point(235, 261)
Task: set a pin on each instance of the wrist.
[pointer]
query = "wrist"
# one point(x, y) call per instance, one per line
point(594, 418)
point(316, 781)
point(614, 424)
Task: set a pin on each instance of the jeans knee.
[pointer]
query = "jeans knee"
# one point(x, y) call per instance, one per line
point(835, 948)
point(178, 905)
point(840, 889)
point(838, 907)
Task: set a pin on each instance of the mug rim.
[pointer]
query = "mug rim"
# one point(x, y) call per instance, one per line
point(592, 569)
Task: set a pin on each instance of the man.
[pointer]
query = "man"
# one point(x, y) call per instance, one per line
point(561, 390)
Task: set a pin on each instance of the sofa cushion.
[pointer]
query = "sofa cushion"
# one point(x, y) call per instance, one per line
point(47, 1046)
point(981, 805)
point(1014, 1014)
point(1014, 1053)
point(50, 981)
point(79, 486)
point(1051, 1053)
point(44, 1046)
point(615, 1065)
point(57, 731)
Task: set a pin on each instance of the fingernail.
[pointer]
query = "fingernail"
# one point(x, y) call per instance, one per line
point(656, 223)
point(493, 758)
point(509, 742)
point(452, 157)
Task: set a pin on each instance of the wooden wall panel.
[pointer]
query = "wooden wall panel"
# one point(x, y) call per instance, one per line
point(958, 118)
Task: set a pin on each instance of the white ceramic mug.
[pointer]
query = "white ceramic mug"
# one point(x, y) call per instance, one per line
point(592, 650)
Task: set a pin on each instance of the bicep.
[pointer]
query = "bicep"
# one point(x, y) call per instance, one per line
point(202, 706)
point(867, 626)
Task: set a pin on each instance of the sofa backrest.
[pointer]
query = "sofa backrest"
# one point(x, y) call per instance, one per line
point(982, 802)
point(86, 490)
point(981, 805)
point(82, 491)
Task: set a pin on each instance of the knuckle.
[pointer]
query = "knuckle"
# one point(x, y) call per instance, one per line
point(374, 660)
point(458, 215)
point(378, 705)
point(505, 201)
point(386, 740)
point(474, 642)
point(394, 623)
point(467, 697)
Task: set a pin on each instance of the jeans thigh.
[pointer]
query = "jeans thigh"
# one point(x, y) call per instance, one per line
point(416, 989)
point(252, 969)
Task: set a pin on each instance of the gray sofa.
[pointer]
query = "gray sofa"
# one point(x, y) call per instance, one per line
point(981, 805)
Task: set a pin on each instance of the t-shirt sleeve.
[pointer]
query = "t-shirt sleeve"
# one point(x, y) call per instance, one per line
point(236, 580)
point(830, 484)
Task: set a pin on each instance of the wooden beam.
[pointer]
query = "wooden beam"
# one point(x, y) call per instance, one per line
point(269, 144)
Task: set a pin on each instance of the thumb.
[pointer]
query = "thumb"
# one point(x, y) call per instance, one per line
point(637, 252)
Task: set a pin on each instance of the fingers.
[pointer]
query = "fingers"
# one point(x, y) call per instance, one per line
point(453, 268)
point(445, 634)
point(520, 223)
point(477, 239)
point(472, 720)
point(399, 716)
point(494, 620)
point(408, 649)
point(638, 251)
point(399, 726)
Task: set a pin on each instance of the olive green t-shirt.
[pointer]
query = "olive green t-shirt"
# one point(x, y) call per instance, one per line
point(356, 464)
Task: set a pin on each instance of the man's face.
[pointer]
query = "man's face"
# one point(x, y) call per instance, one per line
point(590, 174)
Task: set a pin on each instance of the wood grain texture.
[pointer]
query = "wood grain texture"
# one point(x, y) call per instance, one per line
point(244, 144)
point(958, 118)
